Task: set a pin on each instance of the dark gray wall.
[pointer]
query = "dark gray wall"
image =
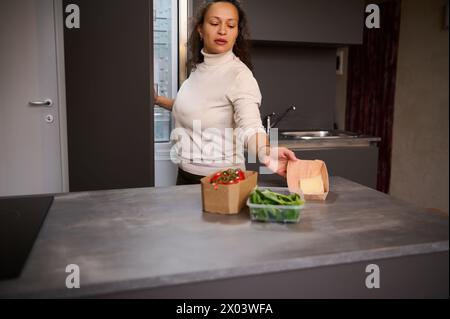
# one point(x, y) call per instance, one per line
point(109, 109)
point(300, 76)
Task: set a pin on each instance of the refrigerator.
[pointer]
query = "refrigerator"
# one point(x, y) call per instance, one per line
point(170, 33)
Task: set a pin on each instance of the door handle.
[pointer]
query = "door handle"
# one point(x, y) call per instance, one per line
point(46, 103)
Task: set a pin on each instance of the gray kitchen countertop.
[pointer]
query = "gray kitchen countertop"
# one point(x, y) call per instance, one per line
point(125, 240)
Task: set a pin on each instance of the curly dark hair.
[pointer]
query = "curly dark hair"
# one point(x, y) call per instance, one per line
point(242, 46)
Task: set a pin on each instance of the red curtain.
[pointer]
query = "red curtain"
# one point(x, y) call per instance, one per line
point(371, 85)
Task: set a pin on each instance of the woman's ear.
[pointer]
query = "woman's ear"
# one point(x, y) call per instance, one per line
point(199, 30)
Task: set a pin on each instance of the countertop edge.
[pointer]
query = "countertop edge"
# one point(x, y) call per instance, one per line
point(301, 263)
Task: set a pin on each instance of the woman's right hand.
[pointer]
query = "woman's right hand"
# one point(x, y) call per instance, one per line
point(162, 101)
point(155, 97)
point(278, 159)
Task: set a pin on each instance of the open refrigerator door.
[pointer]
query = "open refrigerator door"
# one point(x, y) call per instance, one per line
point(165, 25)
point(170, 23)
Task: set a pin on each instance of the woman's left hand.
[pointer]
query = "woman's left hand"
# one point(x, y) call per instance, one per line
point(278, 159)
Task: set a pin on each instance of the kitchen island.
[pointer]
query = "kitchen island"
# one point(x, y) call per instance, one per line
point(157, 243)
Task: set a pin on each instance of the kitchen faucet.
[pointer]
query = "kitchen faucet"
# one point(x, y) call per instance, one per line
point(268, 118)
point(268, 121)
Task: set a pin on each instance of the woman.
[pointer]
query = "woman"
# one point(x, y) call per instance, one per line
point(220, 95)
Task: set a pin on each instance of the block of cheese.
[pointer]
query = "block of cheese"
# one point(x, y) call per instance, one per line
point(312, 185)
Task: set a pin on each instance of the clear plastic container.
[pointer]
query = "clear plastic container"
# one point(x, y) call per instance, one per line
point(276, 213)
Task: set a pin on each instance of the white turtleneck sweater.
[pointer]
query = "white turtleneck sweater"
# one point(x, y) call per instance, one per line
point(220, 100)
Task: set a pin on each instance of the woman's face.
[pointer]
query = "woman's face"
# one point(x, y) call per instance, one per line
point(220, 28)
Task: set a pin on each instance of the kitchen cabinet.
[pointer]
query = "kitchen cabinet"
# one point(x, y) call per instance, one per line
point(358, 164)
point(338, 22)
point(108, 67)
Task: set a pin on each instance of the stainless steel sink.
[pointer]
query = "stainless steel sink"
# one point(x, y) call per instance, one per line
point(309, 135)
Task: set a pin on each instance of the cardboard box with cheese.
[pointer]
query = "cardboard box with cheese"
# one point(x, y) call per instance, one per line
point(309, 178)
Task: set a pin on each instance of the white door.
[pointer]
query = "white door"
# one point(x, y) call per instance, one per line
point(30, 148)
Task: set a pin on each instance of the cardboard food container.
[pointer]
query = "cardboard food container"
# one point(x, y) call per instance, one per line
point(303, 169)
point(227, 199)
